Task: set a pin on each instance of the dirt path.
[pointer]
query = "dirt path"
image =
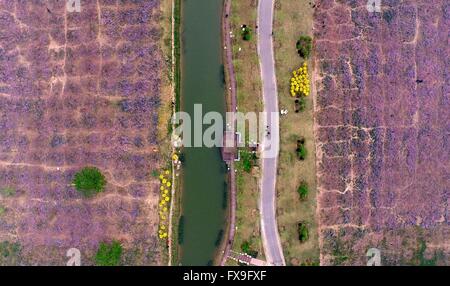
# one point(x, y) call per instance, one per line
point(172, 201)
point(233, 106)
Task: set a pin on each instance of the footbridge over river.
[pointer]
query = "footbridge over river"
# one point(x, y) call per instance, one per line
point(247, 259)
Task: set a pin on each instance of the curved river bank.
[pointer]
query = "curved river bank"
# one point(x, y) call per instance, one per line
point(204, 186)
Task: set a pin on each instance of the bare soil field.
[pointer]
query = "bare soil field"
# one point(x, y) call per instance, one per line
point(382, 131)
point(79, 89)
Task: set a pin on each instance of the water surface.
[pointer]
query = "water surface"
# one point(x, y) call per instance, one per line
point(204, 170)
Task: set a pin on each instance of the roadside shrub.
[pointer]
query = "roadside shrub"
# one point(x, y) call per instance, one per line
point(108, 254)
point(2, 210)
point(304, 46)
point(310, 262)
point(253, 253)
point(89, 181)
point(301, 152)
point(303, 190)
point(300, 104)
point(245, 246)
point(8, 192)
point(246, 33)
point(248, 160)
point(303, 232)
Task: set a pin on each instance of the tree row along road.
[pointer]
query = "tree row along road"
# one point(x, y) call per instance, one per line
point(269, 229)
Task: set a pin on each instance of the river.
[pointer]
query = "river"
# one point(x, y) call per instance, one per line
point(204, 185)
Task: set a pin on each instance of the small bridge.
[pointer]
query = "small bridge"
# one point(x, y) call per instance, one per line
point(246, 259)
point(230, 143)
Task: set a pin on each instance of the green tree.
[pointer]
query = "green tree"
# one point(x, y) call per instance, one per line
point(300, 104)
point(89, 181)
point(303, 232)
point(246, 33)
point(245, 246)
point(303, 190)
point(301, 152)
point(248, 160)
point(108, 254)
point(304, 46)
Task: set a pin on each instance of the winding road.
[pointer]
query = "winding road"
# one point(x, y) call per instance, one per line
point(270, 143)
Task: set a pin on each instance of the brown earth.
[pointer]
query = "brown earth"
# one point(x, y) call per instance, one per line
point(382, 130)
point(79, 89)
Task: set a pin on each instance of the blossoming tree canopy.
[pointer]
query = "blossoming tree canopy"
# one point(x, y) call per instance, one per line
point(300, 84)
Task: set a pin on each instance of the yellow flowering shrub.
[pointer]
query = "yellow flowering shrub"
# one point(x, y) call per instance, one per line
point(163, 203)
point(300, 84)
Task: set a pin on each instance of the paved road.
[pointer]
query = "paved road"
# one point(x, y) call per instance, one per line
point(269, 229)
